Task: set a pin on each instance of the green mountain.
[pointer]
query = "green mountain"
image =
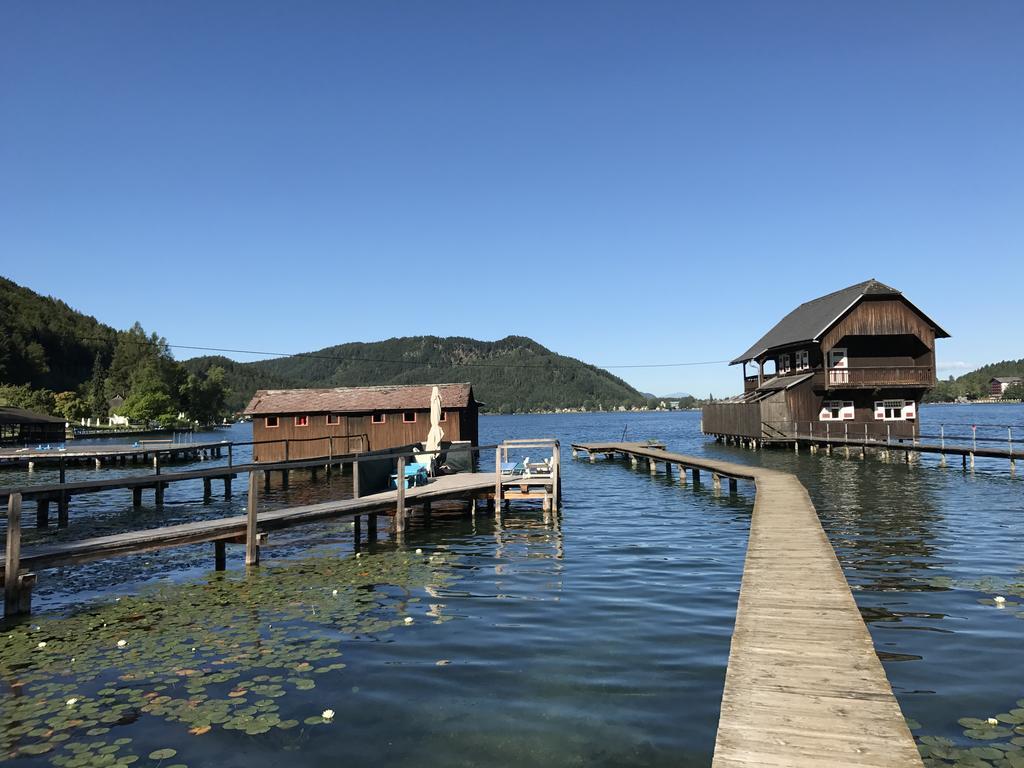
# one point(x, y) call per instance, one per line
point(514, 374)
point(974, 384)
point(45, 343)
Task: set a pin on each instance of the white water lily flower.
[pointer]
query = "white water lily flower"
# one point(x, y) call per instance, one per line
point(992, 721)
point(122, 643)
point(42, 644)
point(1000, 599)
point(419, 551)
point(334, 592)
point(408, 619)
point(359, 554)
point(72, 701)
point(327, 714)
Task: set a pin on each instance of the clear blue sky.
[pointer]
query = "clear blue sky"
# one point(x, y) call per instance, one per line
point(627, 183)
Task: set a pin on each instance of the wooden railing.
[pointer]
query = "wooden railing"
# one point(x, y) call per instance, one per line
point(880, 376)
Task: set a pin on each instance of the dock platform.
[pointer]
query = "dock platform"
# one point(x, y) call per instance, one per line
point(804, 686)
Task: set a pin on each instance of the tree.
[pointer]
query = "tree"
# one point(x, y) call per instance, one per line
point(150, 397)
point(71, 406)
point(203, 397)
point(1014, 392)
point(23, 396)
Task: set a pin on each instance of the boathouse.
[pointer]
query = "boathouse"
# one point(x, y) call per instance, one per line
point(19, 427)
point(323, 422)
point(856, 362)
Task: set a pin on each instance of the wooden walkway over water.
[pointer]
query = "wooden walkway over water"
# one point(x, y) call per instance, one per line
point(804, 687)
point(496, 488)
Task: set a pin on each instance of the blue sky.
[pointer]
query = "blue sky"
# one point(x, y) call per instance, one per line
point(627, 183)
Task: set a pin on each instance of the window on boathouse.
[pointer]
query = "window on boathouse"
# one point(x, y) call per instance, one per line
point(271, 422)
point(409, 417)
point(895, 410)
point(333, 419)
point(837, 410)
point(377, 418)
point(302, 421)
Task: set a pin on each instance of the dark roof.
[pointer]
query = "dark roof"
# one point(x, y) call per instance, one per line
point(21, 416)
point(358, 399)
point(783, 382)
point(1007, 379)
point(812, 319)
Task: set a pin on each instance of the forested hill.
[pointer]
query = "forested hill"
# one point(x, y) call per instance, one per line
point(513, 374)
point(975, 384)
point(44, 343)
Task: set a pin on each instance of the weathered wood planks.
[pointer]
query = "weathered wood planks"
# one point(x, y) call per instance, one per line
point(804, 687)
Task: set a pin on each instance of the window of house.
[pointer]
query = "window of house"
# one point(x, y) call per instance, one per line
point(302, 421)
point(837, 410)
point(333, 419)
point(803, 360)
point(784, 363)
point(409, 417)
point(377, 418)
point(895, 410)
point(271, 422)
point(444, 415)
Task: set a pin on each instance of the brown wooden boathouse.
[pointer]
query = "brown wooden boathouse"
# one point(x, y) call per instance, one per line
point(855, 363)
point(322, 422)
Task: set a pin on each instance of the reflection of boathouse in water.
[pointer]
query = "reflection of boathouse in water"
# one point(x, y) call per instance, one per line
point(339, 420)
point(856, 362)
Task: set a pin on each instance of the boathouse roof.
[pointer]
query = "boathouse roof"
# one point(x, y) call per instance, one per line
point(21, 416)
point(358, 399)
point(812, 319)
point(1007, 379)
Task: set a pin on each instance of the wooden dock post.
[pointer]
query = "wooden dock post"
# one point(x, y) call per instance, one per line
point(682, 475)
point(266, 482)
point(716, 481)
point(556, 478)
point(220, 555)
point(733, 486)
point(696, 476)
point(62, 509)
point(357, 532)
point(252, 547)
point(207, 489)
point(42, 512)
point(159, 497)
point(227, 486)
point(355, 479)
point(12, 561)
point(400, 503)
point(136, 497)
point(497, 482)
point(371, 528)
point(652, 466)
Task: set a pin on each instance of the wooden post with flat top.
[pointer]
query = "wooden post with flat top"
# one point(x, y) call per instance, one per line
point(252, 546)
point(400, 487)
point(12, 563)
point(497, 482)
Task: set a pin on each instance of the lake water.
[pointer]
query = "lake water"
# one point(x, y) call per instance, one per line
point(599, 640)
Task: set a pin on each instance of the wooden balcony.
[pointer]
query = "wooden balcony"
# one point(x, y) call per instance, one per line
point(872, 377)
point(749, 383)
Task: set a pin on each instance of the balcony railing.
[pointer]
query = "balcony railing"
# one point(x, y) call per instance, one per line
point(880, 376)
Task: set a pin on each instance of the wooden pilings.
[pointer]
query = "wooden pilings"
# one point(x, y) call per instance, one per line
point(400, 496)
point(252, 547)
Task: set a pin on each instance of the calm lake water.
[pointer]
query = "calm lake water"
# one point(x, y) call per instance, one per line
point(600, 640)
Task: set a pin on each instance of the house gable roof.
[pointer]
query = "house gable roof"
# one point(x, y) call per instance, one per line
point(812, 319)
point(358, 399)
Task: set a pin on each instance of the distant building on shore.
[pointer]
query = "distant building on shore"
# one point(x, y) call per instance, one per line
point(335, 421)
point(19, 427)
point(997, 386)
point(856, 362)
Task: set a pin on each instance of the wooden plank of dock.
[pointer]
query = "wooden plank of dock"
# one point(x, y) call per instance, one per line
point(804, 686)
point(85, 550)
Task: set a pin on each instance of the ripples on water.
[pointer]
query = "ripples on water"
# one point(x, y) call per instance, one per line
point(603, 641)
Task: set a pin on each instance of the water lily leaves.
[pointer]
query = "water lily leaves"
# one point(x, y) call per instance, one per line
point(162, 754)
point(314, 720)
point(303, 684)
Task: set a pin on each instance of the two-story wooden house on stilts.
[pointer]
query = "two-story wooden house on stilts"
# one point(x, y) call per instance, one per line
point(854, 363)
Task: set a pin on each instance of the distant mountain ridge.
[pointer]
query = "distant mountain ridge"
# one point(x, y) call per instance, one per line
point(974, 384)
point(514, 374)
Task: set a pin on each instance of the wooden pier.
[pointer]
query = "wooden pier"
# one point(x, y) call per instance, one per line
point(804, 686)
point(906, 450)
point(112, 455)
point(498, 489)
